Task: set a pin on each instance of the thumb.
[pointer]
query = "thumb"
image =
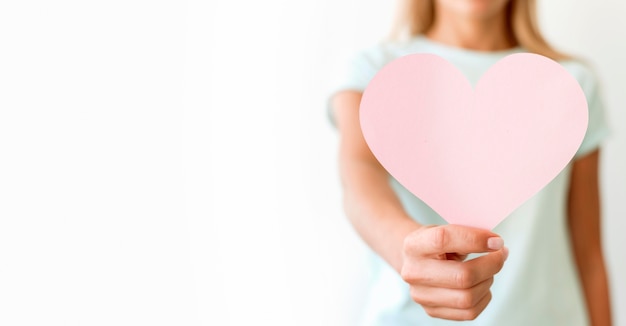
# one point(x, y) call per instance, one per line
point(441, 239)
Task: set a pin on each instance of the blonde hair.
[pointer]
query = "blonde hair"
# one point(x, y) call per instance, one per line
point(416, 17)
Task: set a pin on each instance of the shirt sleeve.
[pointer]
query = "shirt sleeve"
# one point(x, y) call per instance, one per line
point(353, 74)
point(598, 128)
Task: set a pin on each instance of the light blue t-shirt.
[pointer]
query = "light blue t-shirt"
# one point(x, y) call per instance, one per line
point(538, 284)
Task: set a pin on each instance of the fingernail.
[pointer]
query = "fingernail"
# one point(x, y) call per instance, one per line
point(506, 252)
point(495, 243)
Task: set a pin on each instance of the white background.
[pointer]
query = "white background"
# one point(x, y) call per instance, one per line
point(170, 162)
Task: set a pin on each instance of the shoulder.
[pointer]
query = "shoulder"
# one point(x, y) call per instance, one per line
point(583, 72)
point(598, 126)
point(382, 52)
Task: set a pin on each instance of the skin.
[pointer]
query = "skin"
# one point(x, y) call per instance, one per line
point(431, 259)
point(584, 226)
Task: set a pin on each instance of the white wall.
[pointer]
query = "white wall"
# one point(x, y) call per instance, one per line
point(170, 163)
point(92, 226)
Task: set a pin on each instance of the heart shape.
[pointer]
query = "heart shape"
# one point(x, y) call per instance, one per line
point(473, 156)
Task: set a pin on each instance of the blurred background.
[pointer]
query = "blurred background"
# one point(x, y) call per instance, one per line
point(171, 162)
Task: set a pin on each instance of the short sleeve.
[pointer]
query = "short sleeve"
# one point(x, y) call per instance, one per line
point(353, 73)
point(598, 128)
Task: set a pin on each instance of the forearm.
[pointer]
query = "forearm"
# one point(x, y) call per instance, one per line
point(585, 230)
point(594, 281)
point(374, 209)
point(369, 201)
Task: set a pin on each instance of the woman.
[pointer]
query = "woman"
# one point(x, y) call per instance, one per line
point(555, 274)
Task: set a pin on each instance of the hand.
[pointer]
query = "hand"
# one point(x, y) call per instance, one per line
point(441, 281)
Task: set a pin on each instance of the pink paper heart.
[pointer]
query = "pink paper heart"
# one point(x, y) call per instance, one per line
point(473, 156)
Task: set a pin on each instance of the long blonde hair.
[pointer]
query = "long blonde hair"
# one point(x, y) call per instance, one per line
point(416, 17)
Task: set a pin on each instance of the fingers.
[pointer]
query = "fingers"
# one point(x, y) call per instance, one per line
point(429, 296)
point(453, 274)
point(459, 314)
point(440, 280)
point(437, 240)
